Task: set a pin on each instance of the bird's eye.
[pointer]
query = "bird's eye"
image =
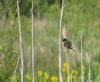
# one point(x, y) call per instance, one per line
point(64, 39)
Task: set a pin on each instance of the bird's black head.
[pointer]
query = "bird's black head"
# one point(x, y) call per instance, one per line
point(64, 39)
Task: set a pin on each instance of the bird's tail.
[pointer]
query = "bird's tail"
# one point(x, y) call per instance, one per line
point(73, 50)
point(76, 53)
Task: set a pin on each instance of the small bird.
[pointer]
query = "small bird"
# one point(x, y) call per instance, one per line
point(67, 44)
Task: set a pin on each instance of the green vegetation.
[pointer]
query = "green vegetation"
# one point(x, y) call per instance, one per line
point(79, 16)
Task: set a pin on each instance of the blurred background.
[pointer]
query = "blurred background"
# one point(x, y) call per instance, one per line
point(79, 16)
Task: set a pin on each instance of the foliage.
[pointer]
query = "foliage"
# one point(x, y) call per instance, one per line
point(79, 16)
point(8, 55)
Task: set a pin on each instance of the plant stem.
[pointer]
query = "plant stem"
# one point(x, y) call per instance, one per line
point(81, 58)
point(20, 43)
point(32, 48)
point(16, 68)
point(60, 43)
point(90, 68)
point(67, 66)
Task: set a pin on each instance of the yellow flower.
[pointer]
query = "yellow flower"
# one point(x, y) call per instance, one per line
point(65, 65)
point(46, 76)
point(54, 79)
point(40, 72)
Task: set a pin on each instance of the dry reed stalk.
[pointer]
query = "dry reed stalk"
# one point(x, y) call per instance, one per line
point(82, 79)
point(32, 48)
point(89, 77)
point(68, 66)
point(65, 35)
point(71, 78)
point(16, 68)
point(60, 43)
point(20, 44)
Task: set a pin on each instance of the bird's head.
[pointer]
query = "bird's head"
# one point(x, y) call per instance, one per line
point(64, 39)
